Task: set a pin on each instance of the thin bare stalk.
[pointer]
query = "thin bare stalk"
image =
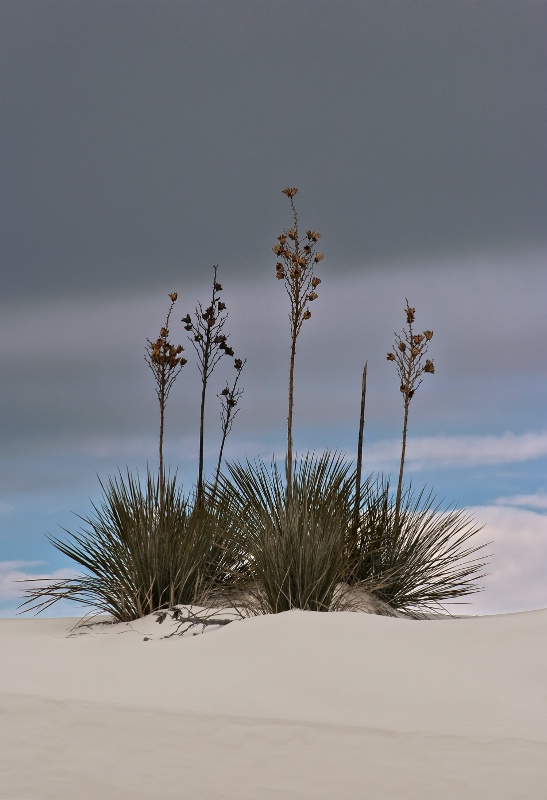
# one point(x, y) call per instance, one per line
point(360, 452)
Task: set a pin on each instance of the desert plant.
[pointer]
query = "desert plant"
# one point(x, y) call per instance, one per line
point(210, 345)
point(298, 258)
point(415, 558)
point(408, 357)
point(165, 361)
point(294, 543)
point(143, 550)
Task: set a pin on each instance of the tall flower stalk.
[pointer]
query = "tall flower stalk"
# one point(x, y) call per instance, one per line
point(408, 355)
point(297, 259)
point(165, 361)
point(210, 345)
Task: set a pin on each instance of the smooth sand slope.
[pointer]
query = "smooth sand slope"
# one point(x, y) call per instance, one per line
point(298, 705)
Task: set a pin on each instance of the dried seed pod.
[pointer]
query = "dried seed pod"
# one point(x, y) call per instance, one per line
point(402, 347)
point(410, 314)
point(390, 357)
point(428, 335)
point(429, 366)
point(315, 282)
point(307, 314)
point(218, 287)
point(173, 296)
point(187, 319)
point(290, 191)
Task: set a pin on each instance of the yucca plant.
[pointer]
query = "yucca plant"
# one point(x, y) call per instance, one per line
point(143, 550)
point(294, 544)
point(416, 557)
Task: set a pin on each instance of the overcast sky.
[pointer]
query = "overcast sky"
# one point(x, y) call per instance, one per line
point(144, 142)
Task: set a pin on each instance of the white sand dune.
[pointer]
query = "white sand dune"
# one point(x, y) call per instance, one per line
point(300, 705)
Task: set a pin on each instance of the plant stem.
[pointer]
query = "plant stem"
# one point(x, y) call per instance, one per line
point(402, 464)
point(360, 454)
point(290, 414)
point(202, 414)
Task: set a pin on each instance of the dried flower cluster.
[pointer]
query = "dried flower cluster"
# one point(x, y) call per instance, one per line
point(298, 258)
point(409, 354)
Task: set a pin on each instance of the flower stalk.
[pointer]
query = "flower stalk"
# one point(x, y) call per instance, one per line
point(297, 259)
point(408, 355)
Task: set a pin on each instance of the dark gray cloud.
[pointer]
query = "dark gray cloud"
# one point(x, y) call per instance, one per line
point(145, 141)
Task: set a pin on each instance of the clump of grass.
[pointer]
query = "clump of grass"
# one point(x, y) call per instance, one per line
point(142, 549)
point(293, 542)
point(297, 258)
point(416, 557)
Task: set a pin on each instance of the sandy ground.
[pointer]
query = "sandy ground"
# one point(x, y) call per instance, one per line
point(297, 705)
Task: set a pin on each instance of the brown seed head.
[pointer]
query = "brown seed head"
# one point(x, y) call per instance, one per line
point(410, 314)
point(318, 257)
point(221, 306)
point(429, 367)
point(418, 339)
point(307, 314)
point(218, 287)
point(291, 233)
point(428, 335)
point(313, 236)
point(402, 347)
point(290, 191)
point(390, 357)
point(173, 296)
point(313, 296)
point(315, 282)
point(415, 351)
point(187, 319)
point(164, 332)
